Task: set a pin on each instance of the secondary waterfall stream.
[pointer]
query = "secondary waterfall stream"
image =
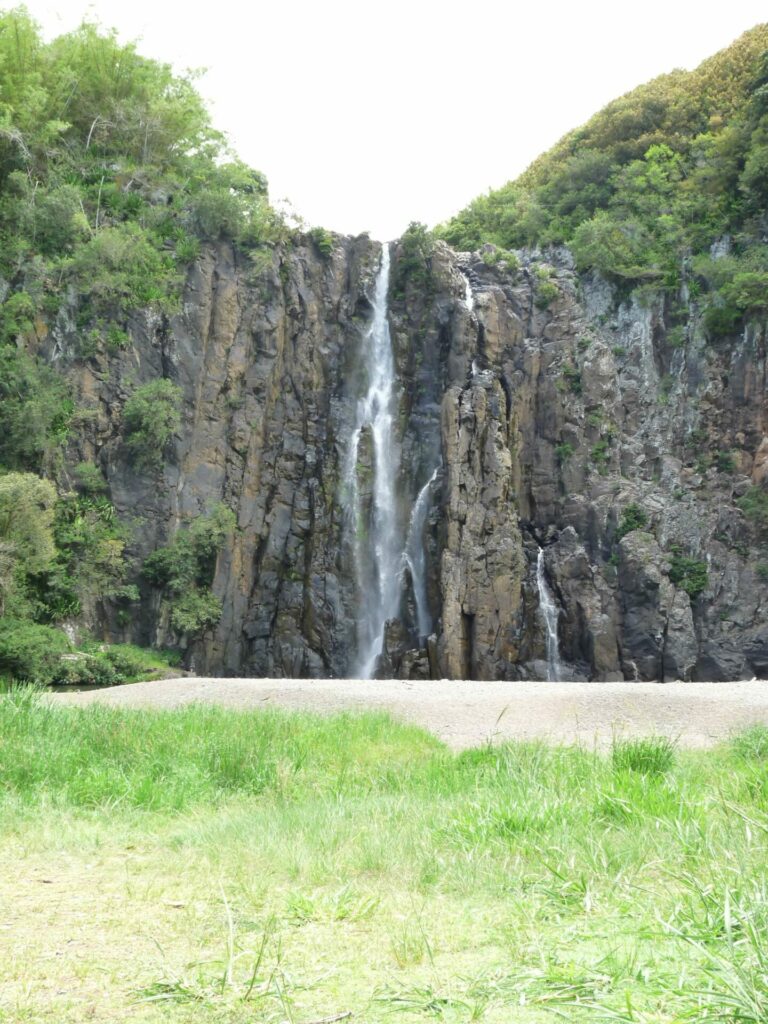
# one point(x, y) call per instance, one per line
point(469, 298)
point(549, 613)
point(415, 558)
point(377, 547)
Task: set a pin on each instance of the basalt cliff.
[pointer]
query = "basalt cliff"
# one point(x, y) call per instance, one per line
point(535, 408)
point(531, 442)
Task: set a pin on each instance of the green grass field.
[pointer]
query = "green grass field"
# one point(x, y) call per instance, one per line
point(213, 866)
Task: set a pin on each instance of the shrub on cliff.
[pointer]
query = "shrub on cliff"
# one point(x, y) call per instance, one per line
point(35, 411)
point(26, 537)
point(633, 517)
point(413, 255)
point(150, 418)
point(323, 241)
point(195, 612)
point(119, 270)
point(689, 574)
point(184, 569)
point(754, 505)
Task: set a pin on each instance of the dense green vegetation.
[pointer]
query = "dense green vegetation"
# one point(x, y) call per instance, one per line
point(184, 569)
point(643, 190)
point(42, 655)
point(633, 517)
point(754, 505)
point(688, 573)
point(273, 867)
point(150, 417)
point(412, 268)
point(111, 174)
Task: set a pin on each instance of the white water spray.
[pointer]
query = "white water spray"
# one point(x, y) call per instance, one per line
point(380, 546)
point(548, 610)
point(415, 558)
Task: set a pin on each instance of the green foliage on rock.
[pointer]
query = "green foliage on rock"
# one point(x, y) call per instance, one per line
point(120, 270)
point(413, 256)
point(150, 418)
point(545, 291)
point(184, 571)
point(754, 505)
point(195, 612)
point(633, 517)
point(190, 559)
point(564, 452)
point(35, 411)
point(323, 241)
point(230, 201)
point(26, 537)
point(689, 574)
point(57, 553)
point(91, 555)
point(600, 455)
point(572, 378)
point(89, 479)
point(109, 169)
point(611, 246)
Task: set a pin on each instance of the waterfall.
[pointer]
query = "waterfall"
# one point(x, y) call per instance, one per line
point(377, 544)
point(548, 610)
point(469, 298)
point(415, 558)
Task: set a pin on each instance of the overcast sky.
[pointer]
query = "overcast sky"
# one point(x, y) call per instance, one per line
point(367, 116)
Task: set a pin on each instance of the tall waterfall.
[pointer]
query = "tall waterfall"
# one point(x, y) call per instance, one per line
point(548, 610)
point(415, 559)
point(378, 544)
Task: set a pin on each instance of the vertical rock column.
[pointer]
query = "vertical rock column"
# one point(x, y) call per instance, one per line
point(482, 564)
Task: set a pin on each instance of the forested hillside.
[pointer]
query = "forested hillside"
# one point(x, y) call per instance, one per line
point(645, 188)
point(111, 176)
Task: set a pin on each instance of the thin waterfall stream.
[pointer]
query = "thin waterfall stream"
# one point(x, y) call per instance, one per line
point(549, 613)
point(414, 557)
point(469, 298)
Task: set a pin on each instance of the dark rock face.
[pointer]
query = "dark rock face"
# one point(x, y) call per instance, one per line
point(264, 363)
point(544, 418)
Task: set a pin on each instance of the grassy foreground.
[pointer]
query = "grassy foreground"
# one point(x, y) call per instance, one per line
point(214, 866)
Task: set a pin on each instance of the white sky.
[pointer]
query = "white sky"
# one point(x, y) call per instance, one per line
point(369, 116)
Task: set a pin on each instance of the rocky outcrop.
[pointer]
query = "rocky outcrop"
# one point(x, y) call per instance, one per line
point(658, 641)
point(547, 406)
point(482, 565)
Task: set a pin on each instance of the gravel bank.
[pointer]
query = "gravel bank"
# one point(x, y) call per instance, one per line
point(465, 714)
